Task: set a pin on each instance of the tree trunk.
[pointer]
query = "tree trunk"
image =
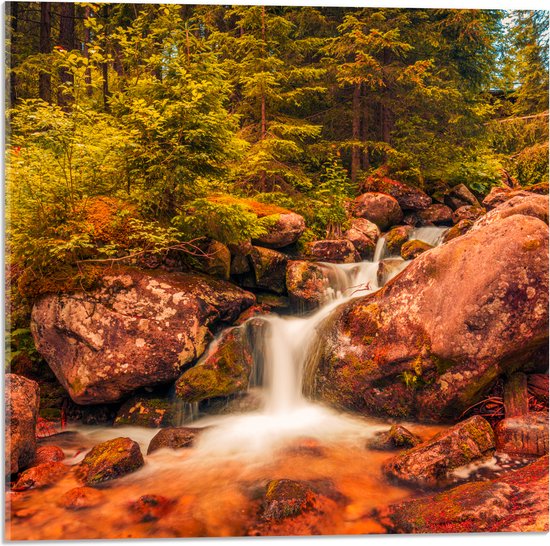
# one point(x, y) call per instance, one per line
point(263, 120)
point(12, 10)
point(385, 114)
point(105, 65)
point(365, 160)
point(67, 41)
point(87, 39)
point(355, 132)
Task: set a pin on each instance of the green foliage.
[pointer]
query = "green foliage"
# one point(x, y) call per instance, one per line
point(478, 172)
point(229, 223)
point(19, 343)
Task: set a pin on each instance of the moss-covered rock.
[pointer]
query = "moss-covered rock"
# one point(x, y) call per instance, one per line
point(269, 268)
point(457, 230)
point(286, 498)
point(224, 369)
point(216, 261)
point(468, 212)
point(110, 460)
point(398, 437)
point(514, 502)
point(396, 238)
point(306, 284)
point(145, 411)
point(411, 249)
point(430, 462)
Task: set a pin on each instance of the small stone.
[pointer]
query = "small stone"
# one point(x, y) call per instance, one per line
point(48, 454)
point(81, 498)
point(150, 508)
point(174, 438)
point(396, 438)
point(412, 249)
point(286, 498)
point(42, 475)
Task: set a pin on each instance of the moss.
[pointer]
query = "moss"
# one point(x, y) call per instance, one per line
point(532, 244)
point(442, 364)
point(414, 248)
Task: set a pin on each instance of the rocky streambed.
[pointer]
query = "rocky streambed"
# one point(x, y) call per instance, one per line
point(394, 380)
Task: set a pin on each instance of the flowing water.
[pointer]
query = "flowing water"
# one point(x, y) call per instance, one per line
point(213, 483)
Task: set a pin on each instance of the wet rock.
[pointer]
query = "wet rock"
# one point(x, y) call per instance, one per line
point(430, 462)
point(22, 402)
point(286, 498)
point(515, 502)
point(254, 311)
point(339, 251)
point(174, 438)
point(457, 230)
point(269, 268)
point(437, 214)
point(223, 370)
point(275, 303)
point(468, 212)
point(388, 269)
point(110, 460)
point(42, 475)
point(138, 329)
point(48, 454)
point(306, 284)
point(398, 437)
point(527, 205)
point(523, 434)
point(379, 208)
point(412, 219)
point(150, 508)
point(403, 351)
point(364, 246)
point(310, 447)
point(408, 197)
point(412, 249)
point(369, 229)
point(217, 261)
point(538, 386)
point(396, 238)
point(240, 265)
point(286, 230)
point(142, 411)
point(460, 196)
point(81, 498)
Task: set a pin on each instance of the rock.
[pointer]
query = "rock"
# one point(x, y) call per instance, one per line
point(240, 265)
point(541, 188)
point(269, 268)
point(254, 311)
point(430, 462)
point(408, 197)
point(286, 230)
point(457, 230)
point(412, 219)
point(499, 195)
point(110, 460)
point(150, 508)
point(48, 454)
point(460, 196)
point(278, 303)
point(515, 502)
point(81, 498)
point(174, 438)
point(364, 246)
point(286, 498)
point(42, 475)
point(523, 434)
point(437, 214)
point(412, 249)
point(537, 386)
point(22, 402)
point(369, 229)
point(468, 212)
point(528, 205)
point(306, 284)
point(217, 261)
point(388, 269)
point(339, 251)
point(379, 208)
point(397, 437)
point(137, 329)
point(396, 238)
point(405, 351)
point(142, 411)
point(223, 370)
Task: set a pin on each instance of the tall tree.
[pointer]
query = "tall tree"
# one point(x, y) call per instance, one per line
point(45, 78)
point(66, 43)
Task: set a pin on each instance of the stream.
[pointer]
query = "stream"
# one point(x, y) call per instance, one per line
point(214, 484)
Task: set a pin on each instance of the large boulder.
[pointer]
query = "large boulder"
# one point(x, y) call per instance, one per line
point(269, 268)
point(396, 238)
point(500, 194)
point(110, 460)
point(216, 260)
point(379, 208)
point(430, 463)
point(285, 230)
point(527, 204)
point(223, 370)
point(340, 251)
point(436, 214)
point(363, 235)
point(136, 329)
point(408, 197)
point(514, 502)
point(438, 335)
point(22, 402)
point(306, 284)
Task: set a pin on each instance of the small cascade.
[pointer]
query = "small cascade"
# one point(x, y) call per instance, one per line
point(185, 412)
point(381, 249)
point(433, 235)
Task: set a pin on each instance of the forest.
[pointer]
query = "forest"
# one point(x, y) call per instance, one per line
point(310, 223)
